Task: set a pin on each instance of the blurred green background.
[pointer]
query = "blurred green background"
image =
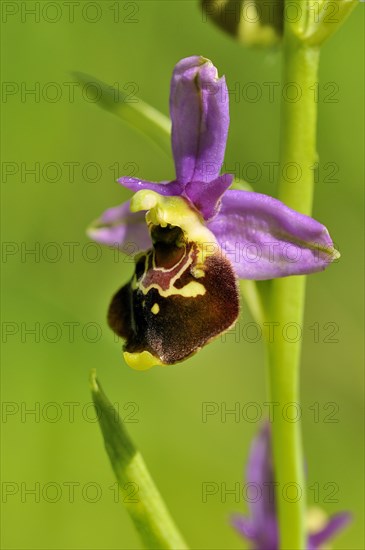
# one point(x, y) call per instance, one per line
point(137, 44)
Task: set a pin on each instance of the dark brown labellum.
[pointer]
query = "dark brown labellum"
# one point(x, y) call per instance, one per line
point(175, 303)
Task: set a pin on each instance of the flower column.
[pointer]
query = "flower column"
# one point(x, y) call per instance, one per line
point(297, 146)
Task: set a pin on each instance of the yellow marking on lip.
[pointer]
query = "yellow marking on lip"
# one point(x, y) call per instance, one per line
point(134, 283)
point(142, 361)
point(155, 309)
point(197, 272)
point(191, 290)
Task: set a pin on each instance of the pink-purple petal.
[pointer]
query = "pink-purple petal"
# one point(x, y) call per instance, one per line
point(265, 239)
point(121, 228)
point(167, 188)
point(199, 108)
point(260, 477)
point(244, 526)
point(335, 524)
point(265, 538)
point(261, 527)
point(206, 196)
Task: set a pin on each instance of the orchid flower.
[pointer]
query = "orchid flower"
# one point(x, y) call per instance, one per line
point(261, 527)
point(195, 236)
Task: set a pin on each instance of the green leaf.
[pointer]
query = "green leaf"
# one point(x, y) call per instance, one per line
point(132, 110)
point(138, 491)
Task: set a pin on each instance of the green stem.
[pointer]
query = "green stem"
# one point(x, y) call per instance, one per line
point(139, 493)
point(298, 146)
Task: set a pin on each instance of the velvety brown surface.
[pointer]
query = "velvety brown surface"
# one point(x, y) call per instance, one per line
point(183, 324)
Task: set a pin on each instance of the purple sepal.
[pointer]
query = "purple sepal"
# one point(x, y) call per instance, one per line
point(199, 109)
point(121, 228)
point(265, 239)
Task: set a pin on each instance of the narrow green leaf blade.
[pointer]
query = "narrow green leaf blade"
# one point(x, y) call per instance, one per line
point(132, 110)
point(143, 501)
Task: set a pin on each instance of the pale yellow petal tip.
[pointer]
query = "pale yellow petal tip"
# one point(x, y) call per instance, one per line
point(92, 229)
point(336, 255)
point(141, 361)
point(316, 519)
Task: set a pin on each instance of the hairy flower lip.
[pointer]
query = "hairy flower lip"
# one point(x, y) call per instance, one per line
point(168, 312)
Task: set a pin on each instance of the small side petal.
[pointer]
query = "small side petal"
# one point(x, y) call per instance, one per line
point(261, 538)
point(199, 108)
point(206, 196)
point(121, 228)
point(244, 526)
point(167, 188)
point(335, 524)
point(265, 239)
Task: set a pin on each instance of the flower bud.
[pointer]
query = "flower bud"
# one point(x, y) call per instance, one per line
point(252, 22)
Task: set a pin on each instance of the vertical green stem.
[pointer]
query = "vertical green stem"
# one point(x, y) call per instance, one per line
point(297, 146)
